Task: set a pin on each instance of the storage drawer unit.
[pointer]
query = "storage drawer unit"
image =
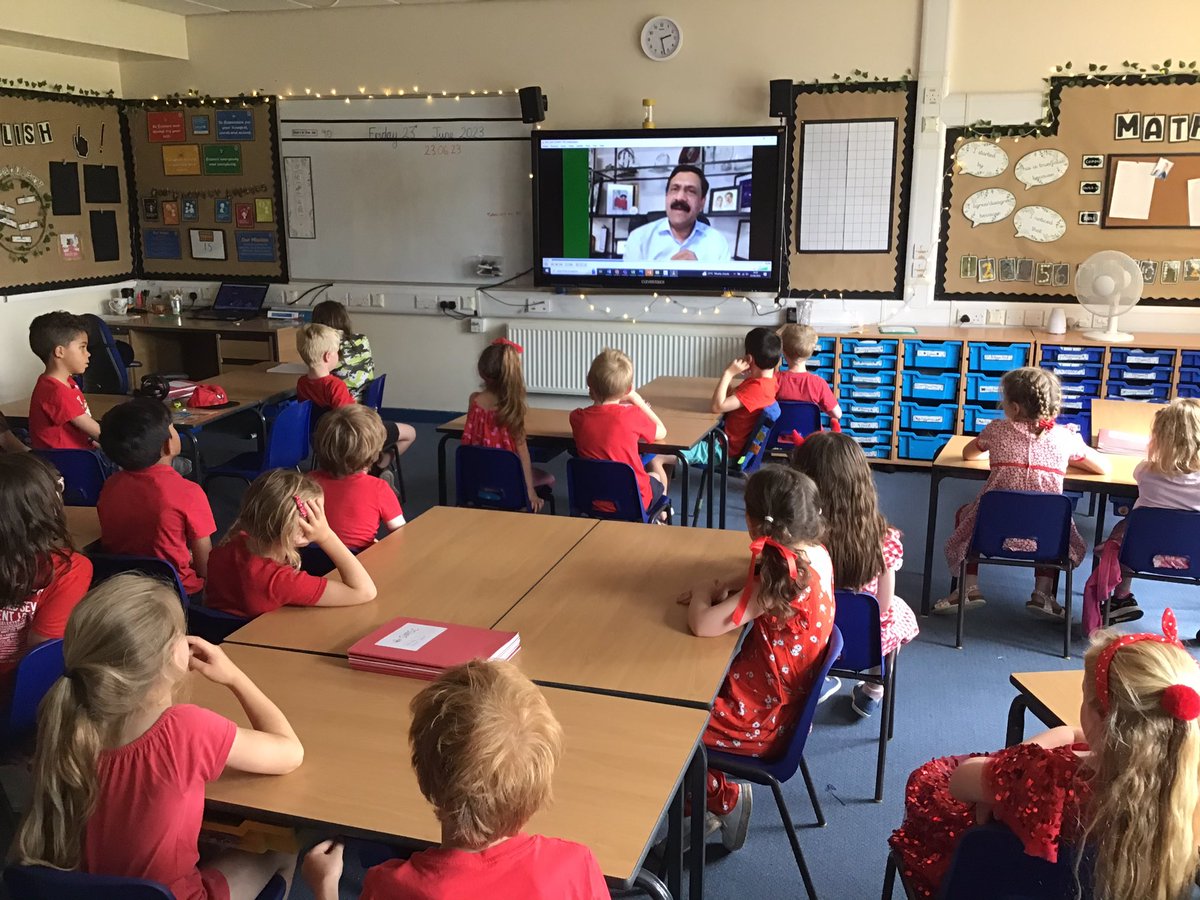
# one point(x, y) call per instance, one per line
point(860, 424)
point(925, 417)
point(932, 354)
point(919, 446)
point(1189, 375)
point(1074, 371)
point(1001, 358)
point(1128, 356)
point(872, 438)
point(868, 362)
point(855, 378)
point(1139, 374)
point(975, 418)
point(1060, 353)
point(1154, 392)
point(982, 388)
point(861, 408)
point(929, 386)
point(851, 392)
point(1089, 387)
point(1081, 422)
point(1189, 390)
point(863, 347)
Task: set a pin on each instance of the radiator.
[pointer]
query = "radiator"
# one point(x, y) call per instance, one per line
point(556, 360)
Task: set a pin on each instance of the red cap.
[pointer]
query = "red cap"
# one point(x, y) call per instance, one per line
point(207, 395)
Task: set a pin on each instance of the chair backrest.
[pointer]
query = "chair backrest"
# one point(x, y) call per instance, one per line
point(212, 624)
point(794, 415)
point(489, 478)
point(604, 489)
point(372, 392)
point(40, 883)
point(1023, 525)
point(106, 565)
point(287, 440)
point(751, 455)
point(83, 474)
point(991, 864)
point(785, 766)
point(36, 672)
point(1162, 542)
point(857, 617)
point(107, 371)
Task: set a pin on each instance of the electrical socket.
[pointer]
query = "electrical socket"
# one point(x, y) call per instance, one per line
point(995, 317)
point(536, 306)
point(469, 304)
point(426, 302)
point(1034, 318)
point(477, 325)
point(379, 301)
point(972, 317)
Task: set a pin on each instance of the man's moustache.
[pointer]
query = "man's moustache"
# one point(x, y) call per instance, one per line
point(679, 204)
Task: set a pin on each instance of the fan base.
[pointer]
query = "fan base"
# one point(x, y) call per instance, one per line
point(1109, 337)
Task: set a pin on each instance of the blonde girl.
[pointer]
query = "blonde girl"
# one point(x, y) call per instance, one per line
point(1126, 784)
point(120, 768)
point(256, 568)
point(496, 415)
point(1028, 451)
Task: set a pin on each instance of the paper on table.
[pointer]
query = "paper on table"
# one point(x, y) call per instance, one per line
point(410, 636)
point(288, 368)
point(1194, 202)
point(1133, 189)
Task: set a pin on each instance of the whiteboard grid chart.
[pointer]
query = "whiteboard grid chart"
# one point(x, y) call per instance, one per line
point(846, 186)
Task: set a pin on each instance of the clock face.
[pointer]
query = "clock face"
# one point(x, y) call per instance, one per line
point(661, 38)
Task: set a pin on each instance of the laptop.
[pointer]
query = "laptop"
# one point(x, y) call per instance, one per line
point(235, 301)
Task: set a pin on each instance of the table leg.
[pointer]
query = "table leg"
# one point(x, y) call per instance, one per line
point(685, 476)
point(712, 477)
point(1016, 721)
point(724, 441)
point(673, 860)
point(442, 469)
point(696, 775)
point(935, 481)
point(193, 454)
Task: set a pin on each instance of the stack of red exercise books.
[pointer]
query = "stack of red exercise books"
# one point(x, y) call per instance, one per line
point(418, 648)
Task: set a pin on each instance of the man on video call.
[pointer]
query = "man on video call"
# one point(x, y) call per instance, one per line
point(679, 235)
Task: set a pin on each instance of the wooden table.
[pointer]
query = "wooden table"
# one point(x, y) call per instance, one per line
point(606, 618)
point(202, 348)
point(83, 524)
point(692, 395)
point(1054, 697)
point(467, 566)
point(950, 464)
point(1129, 416)
point(357, 778)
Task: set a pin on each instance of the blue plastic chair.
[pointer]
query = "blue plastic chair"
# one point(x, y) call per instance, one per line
point(281, 446)
point(773, 773)
point(491, 478)
point(83, 472)
point(748, 458)
point(991, 864)
point(1034, 516)
point(857, 618)
point(41, 883)
point(794, 415)
point(36, 673)
point(213, 625)
point(1150, 533)
point(108, 368)
point(372, 396)
point(605, 489)
point(106, 565)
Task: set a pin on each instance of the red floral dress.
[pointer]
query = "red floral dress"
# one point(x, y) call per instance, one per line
point(482, 429)
point(1038, 794)
point(758, 704)
point(898, 625)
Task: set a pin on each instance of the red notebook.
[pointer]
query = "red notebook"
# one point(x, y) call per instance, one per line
point(419, 648)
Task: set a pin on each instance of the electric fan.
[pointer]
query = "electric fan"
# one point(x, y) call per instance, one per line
point(1108, 285)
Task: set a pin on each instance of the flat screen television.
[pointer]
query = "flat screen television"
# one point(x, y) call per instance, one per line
point(664, 209)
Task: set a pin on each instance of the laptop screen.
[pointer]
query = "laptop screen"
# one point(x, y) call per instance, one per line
point(240, 297)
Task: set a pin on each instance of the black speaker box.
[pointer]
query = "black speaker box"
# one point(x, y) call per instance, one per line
point(781, 98)
point(533, 104)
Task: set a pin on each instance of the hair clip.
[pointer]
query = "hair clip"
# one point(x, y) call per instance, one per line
point(505, 342)
point(769, 519)
point(1046, 424)
point(301, 507)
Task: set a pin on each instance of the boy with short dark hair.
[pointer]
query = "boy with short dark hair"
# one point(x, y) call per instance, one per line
point(485, 745)
point(59, 418)
point(148, 508)
point(798, 384)
point(755, 393)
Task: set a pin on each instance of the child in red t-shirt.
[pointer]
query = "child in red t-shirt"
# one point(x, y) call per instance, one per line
point(148, 508)
point(484, 745)
point(754, 394)
point(41, 575)
point(347, 441)
point(799, 342)
point(256, 568)
point(59, 418)
point(120, 769)
point(617, 421)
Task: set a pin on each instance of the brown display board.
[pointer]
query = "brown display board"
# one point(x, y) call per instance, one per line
point(1021, 213)
point(64, 193)
point(208, 201)
point(848, 184)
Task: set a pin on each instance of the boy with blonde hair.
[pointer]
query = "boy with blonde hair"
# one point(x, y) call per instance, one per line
point(59, 418)
point(617, 421)
point(318, 347)
point(798, 384)
point(485, 745)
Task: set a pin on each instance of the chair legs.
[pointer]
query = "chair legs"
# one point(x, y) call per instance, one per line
point(704, 476)
point(885, 724)
point(889, 877)
point(812, 793)
point(962, 605)
point(790, 828)
point(891, 692)
point(1067, 616)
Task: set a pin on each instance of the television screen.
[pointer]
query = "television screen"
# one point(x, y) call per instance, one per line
point(696, 209)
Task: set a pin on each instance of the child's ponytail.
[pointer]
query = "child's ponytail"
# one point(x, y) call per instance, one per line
point(117, 647)
point(500, 369)
point(1037, 395)
point(783, 509)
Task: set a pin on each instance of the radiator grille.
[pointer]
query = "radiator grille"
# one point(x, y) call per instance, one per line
point(556, 360)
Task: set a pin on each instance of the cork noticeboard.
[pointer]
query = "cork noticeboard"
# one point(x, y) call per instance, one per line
point(64, 193)
point(1020, 214)
point(208, 203)
point(848, 183)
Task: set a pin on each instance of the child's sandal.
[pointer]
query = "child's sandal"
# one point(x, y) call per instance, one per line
point(1045, 606)
point(948, 605)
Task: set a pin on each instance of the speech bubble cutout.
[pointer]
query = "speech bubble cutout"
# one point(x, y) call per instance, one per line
point(1041, 167)
point(1039, 223)
point(983, 159)
point(989, 205)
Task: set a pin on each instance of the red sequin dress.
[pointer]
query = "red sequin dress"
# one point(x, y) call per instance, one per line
point(898, 625)
point(758, 704)
point(1038, 795)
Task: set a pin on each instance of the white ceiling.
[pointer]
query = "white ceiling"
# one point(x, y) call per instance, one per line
point(202, 7)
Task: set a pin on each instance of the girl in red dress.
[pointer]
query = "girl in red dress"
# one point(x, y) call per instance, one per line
point(866, 550)
point(1125, 784)
point(496, 415)
point(788, 600)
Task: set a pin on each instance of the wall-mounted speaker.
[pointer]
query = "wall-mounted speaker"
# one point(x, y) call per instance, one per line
point(533, 104)
point(781, 98)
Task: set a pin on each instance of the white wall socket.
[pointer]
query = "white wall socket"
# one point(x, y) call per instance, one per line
point(378, 301)
point(477, 325)
point(469, 303)
point(427, 302)
point(536, 306)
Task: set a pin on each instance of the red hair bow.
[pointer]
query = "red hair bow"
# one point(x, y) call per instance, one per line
point(1045, 424)
point(1180, 701)
point(756, 549)
point(505, 342)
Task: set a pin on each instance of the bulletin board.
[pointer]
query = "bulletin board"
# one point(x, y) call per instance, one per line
point(848, 183)
point(208, 201)
point(64, 193)
point(1019, 214)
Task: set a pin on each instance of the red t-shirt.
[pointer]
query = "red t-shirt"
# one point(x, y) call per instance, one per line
point(244, 584)
point(807, 387)
point(329, 392)
point(150, 802)
point(755, 394)
point(51, 409)
point(155, 512)
point(357, 505)
point(45, 612)
point(612, 431)
point(525, 867)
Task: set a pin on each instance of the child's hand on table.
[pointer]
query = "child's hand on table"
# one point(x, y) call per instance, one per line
point(211, 662)
point(717, 592)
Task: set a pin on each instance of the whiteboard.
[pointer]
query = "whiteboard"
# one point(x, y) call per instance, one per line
point(405, 189)
point(846, 186)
